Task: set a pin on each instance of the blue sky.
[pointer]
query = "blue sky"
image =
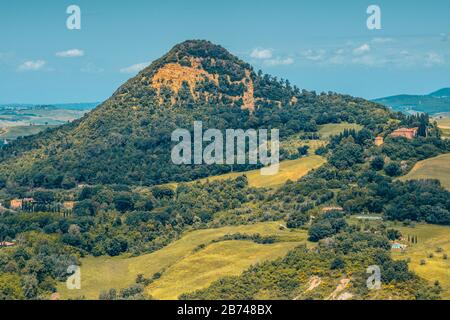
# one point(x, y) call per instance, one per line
point(317, 45)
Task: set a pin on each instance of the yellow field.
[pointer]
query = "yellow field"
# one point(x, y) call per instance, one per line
point(21, 131)
point(443, 122)
point(434, 168)
point(104, 273)
point(218, 260)
point(444, 125)
point(331, 129)
point(430, 237)
point(289, 170)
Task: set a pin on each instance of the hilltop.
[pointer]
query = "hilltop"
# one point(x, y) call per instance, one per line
point(126, 139)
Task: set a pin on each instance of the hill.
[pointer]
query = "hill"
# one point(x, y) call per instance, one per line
point(127, 139)
point(433, 103)
point(442, 93)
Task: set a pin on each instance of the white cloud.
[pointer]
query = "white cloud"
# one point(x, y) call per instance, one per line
point(432, 59)
point(278, 62)
point(260, 53)
point(32, 65)
point(382, 40)
point(135, 68)
point(73, 53)
point(91, 68)
point(362, 49)
point(314, 55)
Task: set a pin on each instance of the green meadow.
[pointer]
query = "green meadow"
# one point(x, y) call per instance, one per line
point(427, 256)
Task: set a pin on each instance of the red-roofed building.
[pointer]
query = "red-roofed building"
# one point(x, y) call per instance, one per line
point(7, 244)
point(408, 133)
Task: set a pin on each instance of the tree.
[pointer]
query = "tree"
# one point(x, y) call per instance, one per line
point(44, 197)
point(116, 246)
point(393, 234)
point(124, 202)
point(377, 163)
point(296, 220)
point(393, 169)
point(337, 263)
point(10, 287)
point(84, 208)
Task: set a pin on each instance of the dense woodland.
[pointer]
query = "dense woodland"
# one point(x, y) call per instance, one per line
point(120, 152)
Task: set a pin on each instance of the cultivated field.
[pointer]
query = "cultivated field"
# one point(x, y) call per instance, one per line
point(434, 168)
point(216, 261)
point(444, 125)
point(289, 170)
point(21, 131)
point(228, 258)
point(332, 129)
point(430, 238)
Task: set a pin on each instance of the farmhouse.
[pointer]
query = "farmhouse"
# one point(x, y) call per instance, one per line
point(399, 246)
point(7, 244)
point(408, 133)
point(379, 141)
point(68, 205)
point(17, 204)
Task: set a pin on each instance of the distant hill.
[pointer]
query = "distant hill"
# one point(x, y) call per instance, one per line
point(442, 93)
point(66, 106)
point(433, 103)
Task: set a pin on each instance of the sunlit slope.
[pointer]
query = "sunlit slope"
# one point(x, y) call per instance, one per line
point(104, 273)
point(434, 168)
point(218, 260)
point(433, 243)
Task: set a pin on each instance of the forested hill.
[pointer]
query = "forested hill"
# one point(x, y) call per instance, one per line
point(127, 138)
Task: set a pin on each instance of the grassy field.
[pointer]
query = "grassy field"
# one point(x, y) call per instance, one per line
point(444, 125)
point(104, 273)
point(289, 170)
point(218, 260)
point(21, 131)
point(430, 238)
point(434, 168)
point(329, 130)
